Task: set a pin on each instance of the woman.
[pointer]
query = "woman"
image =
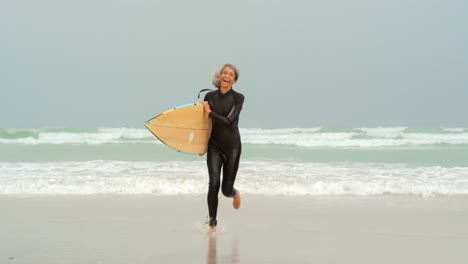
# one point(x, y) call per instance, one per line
point(224, 147)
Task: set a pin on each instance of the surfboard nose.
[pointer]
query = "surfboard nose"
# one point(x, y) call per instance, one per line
point(184, 128)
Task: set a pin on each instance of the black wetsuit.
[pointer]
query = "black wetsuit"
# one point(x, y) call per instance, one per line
point(224, 146)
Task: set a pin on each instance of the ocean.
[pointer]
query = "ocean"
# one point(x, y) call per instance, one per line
point(321, 161)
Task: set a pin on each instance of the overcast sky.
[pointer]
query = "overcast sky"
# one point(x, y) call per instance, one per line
point(109, 63)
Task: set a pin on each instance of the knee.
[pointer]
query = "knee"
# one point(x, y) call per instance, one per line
point(228, 191)
point(214, 185)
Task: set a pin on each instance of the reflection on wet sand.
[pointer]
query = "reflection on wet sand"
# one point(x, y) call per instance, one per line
point(212, 249)
point(213, 255)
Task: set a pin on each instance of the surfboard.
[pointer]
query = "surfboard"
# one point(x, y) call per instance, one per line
point(185, 128)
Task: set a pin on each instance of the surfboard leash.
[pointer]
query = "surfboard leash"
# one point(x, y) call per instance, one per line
point(204, 90)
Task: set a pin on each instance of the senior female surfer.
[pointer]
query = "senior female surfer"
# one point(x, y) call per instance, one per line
point(224, 147)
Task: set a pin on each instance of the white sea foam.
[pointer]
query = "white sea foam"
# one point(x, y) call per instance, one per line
point(254, 177)
point(278, 131)
point(383, 132)
point(356, 140)
point(303, 137)
point(101, 136)
point(454, 130)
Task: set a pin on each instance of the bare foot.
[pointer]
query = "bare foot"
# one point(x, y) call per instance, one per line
point(212, 230)
point(236, 201)
point(212, 224)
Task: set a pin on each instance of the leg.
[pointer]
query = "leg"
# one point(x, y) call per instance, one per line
point(214, 162)
point(229, 177)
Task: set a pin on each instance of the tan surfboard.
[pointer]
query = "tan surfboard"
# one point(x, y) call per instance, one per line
point(185, 128)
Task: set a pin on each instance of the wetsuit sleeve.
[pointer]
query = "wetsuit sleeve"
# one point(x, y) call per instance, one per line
point(233, 114)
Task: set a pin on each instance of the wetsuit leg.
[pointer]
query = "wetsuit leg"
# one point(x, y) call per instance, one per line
point(230, 167)
point(215, 160)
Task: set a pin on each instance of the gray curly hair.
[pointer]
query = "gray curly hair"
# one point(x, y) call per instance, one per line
point(215, 79)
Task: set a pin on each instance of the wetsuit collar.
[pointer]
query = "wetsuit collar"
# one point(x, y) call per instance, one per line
point(219, 90)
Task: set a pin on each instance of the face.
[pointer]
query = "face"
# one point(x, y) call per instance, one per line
point(227, 77)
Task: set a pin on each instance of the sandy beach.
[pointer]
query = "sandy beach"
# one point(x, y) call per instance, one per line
point(170, 229)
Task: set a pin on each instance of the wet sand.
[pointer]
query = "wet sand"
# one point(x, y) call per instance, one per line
point(170, 229)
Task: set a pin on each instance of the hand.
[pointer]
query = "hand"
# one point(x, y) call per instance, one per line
point(206, 107)
point(201, 154)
